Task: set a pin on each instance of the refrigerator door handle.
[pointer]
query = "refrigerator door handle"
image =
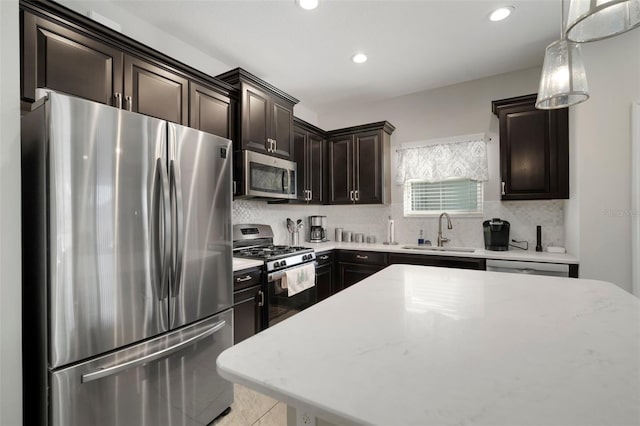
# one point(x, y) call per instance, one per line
point(176, 193)
point(166, 226)
point(115, 369)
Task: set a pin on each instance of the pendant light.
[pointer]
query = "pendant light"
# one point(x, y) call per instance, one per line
point(563, 82)
point(592, 20)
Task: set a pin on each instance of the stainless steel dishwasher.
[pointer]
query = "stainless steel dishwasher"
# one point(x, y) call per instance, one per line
point(531, 268)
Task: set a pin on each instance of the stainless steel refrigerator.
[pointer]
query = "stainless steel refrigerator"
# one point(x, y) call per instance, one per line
point(127, 277)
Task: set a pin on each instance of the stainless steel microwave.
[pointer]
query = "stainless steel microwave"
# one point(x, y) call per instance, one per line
point(268, 177)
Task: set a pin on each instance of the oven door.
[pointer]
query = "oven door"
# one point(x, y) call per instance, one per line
point(282, 306)
point(268, 177)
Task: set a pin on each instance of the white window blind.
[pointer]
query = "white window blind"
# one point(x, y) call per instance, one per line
point(463, 196)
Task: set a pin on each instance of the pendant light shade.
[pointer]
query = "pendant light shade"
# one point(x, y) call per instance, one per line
point(564, 81)
point(591, 20)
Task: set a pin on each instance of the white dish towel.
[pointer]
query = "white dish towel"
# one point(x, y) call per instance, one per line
point(299, 279)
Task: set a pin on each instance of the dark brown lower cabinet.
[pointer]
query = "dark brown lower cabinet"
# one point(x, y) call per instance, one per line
point(324, 275)
point(247, 312)
point(354, 266)
point(249, 304)
point(442, 261)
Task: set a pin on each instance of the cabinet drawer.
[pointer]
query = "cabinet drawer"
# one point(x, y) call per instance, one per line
point(442, 261)
point(364, 257)
point(247, 278)
point(324, 258)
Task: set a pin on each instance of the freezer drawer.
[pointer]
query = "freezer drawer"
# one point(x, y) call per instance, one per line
point(170, 380)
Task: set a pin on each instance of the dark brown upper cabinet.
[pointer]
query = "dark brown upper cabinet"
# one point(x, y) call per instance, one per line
point(310, 155)
point(67, 52)
point(359, 164)
point(534, 150)
point(58, 58)
point(265, 118)
point(209, 111)
point(154, 91)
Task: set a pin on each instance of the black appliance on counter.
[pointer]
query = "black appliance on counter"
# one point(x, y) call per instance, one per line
point(496, 234)
point(256, 242)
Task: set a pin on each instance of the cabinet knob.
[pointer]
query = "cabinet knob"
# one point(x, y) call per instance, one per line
point(260, 298)
point(357, 195)
point(351, 195)
point(362, 257)
point(324, 257)
point(243, 279)
point(128, 103)
point(503, 189)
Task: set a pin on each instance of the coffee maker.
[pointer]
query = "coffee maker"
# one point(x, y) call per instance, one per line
point(496, 234)
point(317, 229)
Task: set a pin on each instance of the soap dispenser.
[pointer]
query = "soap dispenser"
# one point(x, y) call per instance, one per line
point(420, 239)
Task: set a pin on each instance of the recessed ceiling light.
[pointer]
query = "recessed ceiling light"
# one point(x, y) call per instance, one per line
point(359, 58)
point(501, 13)
point(308, 4)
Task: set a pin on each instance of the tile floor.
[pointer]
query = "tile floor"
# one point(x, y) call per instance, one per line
point(252, 408)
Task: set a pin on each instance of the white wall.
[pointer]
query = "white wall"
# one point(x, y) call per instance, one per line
point(601, 160)
point(10, 273)
point(459, 109)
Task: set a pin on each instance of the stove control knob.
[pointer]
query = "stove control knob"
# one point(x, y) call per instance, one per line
point(283, 263)
point(276, 264)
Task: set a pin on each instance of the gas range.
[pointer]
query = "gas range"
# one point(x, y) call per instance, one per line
point(256, 242)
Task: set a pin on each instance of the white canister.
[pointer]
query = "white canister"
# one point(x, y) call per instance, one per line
point(338, 235)
point(346, 236)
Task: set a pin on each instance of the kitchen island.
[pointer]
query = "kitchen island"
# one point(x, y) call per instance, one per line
point(415, 345)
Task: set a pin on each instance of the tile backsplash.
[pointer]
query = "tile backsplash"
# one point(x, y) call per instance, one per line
point(372, 220)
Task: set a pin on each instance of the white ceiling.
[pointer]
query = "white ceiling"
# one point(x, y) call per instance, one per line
point(412, 45)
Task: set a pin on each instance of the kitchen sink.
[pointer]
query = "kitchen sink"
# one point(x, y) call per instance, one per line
point(444, 249)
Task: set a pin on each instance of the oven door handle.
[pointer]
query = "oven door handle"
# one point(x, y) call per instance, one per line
point(277, 275)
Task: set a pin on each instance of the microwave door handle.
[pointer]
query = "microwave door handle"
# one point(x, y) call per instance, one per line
point(176, 192)
point(286, 181)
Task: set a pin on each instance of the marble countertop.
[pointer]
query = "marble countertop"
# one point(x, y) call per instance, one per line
point(240, 263)
point(416, 345)
point(512, 254)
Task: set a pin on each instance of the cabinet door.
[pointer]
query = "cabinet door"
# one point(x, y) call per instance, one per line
point(209, 111)
point(534, 153)
point(368, 167)
point(282, 128)
point(315, 168)
point(67, 61)
point(350, 273)
point(324, 281)
point(155, 91)
point(341, 170)
point(300, 157)
point(247, 313)
point(255, 119)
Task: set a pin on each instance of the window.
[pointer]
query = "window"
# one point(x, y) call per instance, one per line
point(458, 196)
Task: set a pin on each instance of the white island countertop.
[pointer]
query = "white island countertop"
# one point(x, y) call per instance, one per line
point(416, 345)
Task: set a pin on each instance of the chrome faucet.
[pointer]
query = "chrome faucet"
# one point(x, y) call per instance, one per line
point(441, 239)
